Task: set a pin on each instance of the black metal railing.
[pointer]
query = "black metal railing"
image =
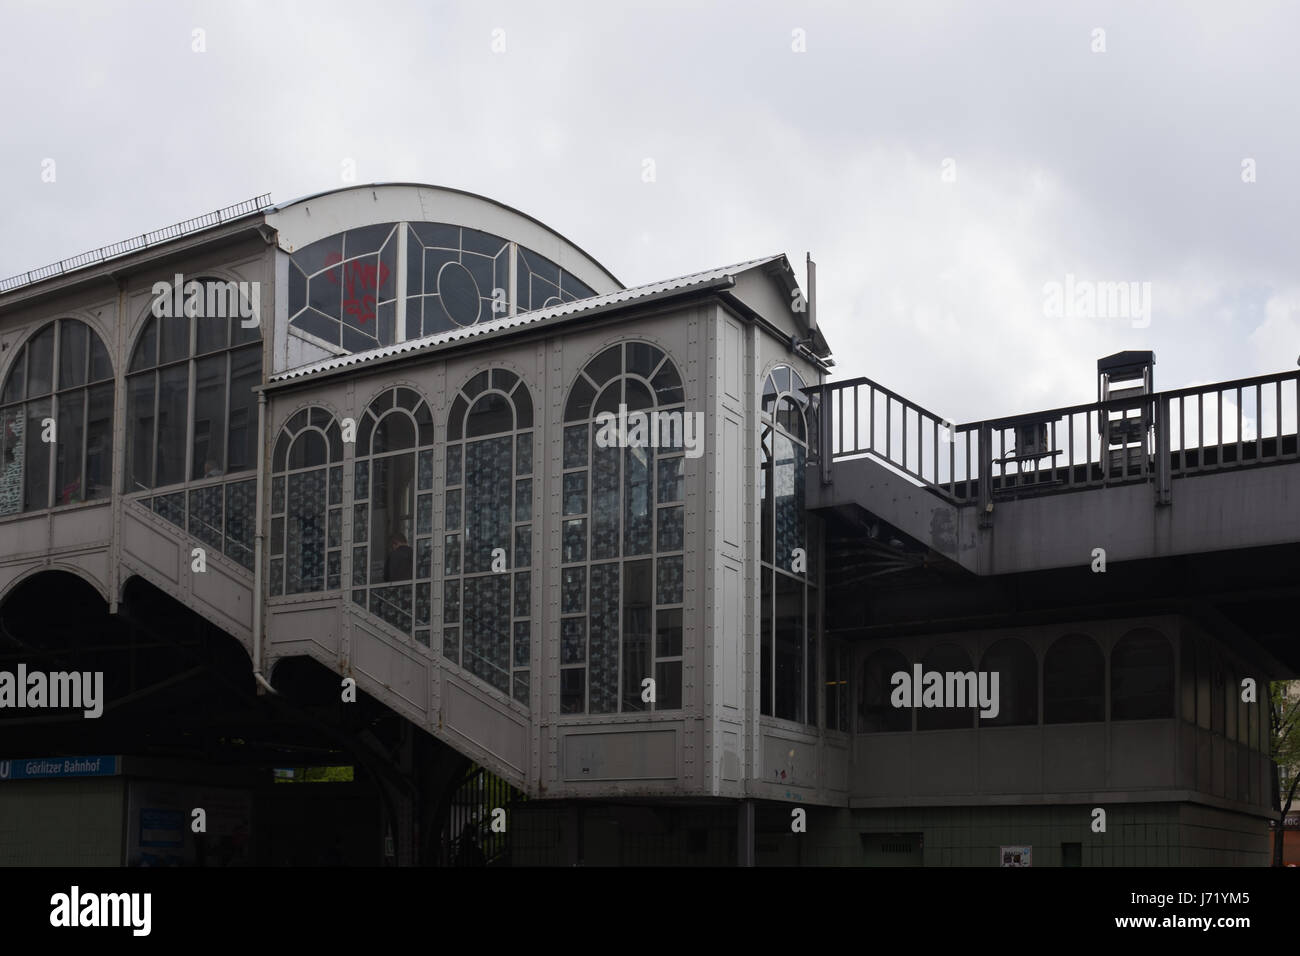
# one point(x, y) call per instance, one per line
point(1249, 421)
point(469, 837)
point(136, 243)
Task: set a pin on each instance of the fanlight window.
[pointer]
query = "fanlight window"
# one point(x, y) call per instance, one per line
point(622, 582)
point(488, 525)
point(307, 505)
point(392, 511)
point(56, 420)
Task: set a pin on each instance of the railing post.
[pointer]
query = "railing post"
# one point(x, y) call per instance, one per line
point(986, 475)
point(1164, 488)
point(824, 441)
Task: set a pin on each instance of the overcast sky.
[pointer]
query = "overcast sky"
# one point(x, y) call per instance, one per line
point(1117, 166)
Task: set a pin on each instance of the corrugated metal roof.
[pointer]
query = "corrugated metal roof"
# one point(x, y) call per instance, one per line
point(485, 329)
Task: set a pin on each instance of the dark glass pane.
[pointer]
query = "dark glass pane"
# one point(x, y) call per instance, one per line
point(575, 540)
point(672, 479)
point(100, 366)
point(451, 554)
point(171, 507)
point(608, 401)
point(668, 631)
point(173, 338)
point(451, 519)
point(209, 417)
point(72, 353)
point(789, 491)
point(392, 507)
point(139, 431)
point(575, 446)
point(1142, 677)
point(637, 613)
point(1074, 681)
point(643, 359)
point(16, 383)
point(425, 475)
point(241, 505)
point(12, 455)
point(523, 644)
point(424, 558)
point(67, 450)
point(524, 499)
point(365, 239)
point(308, 450)
point(486, 651)
point(99, 441)
point(334, 534)
point(451, 643)
point(671, 530)
point(394, 431)
point(360, 566)
point(670, 580)
point(40, 363)
point(523, 594)
point(668, 385)
point(277, 535)
point(361, 480)
point(490, 415)
point(459, 294)
point(580, 399)
point(638, 495)
point(205, 506)
point(241, 442)
point(406, 398)
point(489, 470)
point(336, 485)
point(280, 456)
point(573, 593)
point(146, 347)
point(605, 503)
point(424, 515)
point(789, 417)
point(788, 684)
point(603, 638)
point(212, 331)
point(668, 685)
point(947, 659)
point(606, 365)
point(524, 454)
point(336, 441)
point(781, 377)
point(173, 423)
point(638, 397)
point(1017, 670)
point(333, 570)
point(572, 690)
point(575, 493)
point(523, 547)
point(277, 577)
point(523, 407)
point(423, 604)
point(392, 605)
point(453, 465)
point(297, 289)
point(573, 640)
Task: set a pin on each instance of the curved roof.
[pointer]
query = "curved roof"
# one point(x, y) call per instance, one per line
point(301, 222)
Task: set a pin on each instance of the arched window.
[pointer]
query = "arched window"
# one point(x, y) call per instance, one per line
point(622, 584)
point(1142, 676)
point(946, 660)
point(1187, 678)
point(1074, 681)
point(307, 505)
point(488, 548)
point(1017, 671)
point(392, 511)
point(191, 408)
point(876, 713)
point(62, 373)
point(789, 598)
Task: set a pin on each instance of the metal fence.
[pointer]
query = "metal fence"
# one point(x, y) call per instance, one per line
point(137, 243)
point(1157, 437)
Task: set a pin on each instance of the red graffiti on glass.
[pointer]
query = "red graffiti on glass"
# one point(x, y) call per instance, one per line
point(359, 275)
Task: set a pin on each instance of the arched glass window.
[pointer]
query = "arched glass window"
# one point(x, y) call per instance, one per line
point(307, 505)
point(62, 373)
point(876, 713)
point(949, 659)
point(488, 543)
point(622, 583)
point(343, 289)
point(1074, 681)
point(1142, 676)
point(789, 598)
point(191, 408)
point(1187, 678)
point(392, 511)
point(1017, 670)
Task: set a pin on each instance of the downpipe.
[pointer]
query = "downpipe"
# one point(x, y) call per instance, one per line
point(259, 535)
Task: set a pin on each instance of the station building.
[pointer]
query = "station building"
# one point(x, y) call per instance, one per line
point(397, 478)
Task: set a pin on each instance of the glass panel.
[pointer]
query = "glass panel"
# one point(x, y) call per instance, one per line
point(456, 419)
point(575, 540)
point(361, 480)
point(422, 636)
point(487, 629)
point(451, 520)
point(606, 365)
point(424, 557)
point(360, 524)
point(522, 644)
point(395, 431)
point(424, 515)
point(146, 347)
point(335, 530)
point(277, 535)
point(451, 554)
point(40, 363)
point(605, 503)
point(575, 446)
point(139, 432)
point(392, 605)
point(308, 450)
point(423, 603)
point(241, 439)
point(451, 643)
point(572, 690)
point(451, 602)
point(67, 450)
point(305, 526)
point(36, 462)
point(277, 495)
point(173, 423)
point(637, 612)
point(668, 385)
point(490, 415)
point(671, 531)
point(453, 464)
point(336, 485)
point(241, 505)
point(524, 499)
point(523, 407)
point(523, 547)
point(668, 685)
point(99, 441)
point(643, 359)
point(391, 509)
point(573, 640)
point(638, 512)
point(72, 354)
point(672, 479)
point(426, 470)
point(521, 687)
point(603, 638)
point(523, 595)
point(575, 493)
point(15, 384)
point(277, 576)
point(789, 489)
point(789, 648)
point(670, 580)
point(209, 417)
point(524, 454)
point(100, 367)
point(171, 507)
point(489, 468)
point(205, 515)
point(12, 455)
point(580, 398)
point(359, 565)
point(668, 632)
point(573, 592)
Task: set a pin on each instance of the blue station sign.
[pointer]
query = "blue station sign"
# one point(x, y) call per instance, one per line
point(48, 768)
